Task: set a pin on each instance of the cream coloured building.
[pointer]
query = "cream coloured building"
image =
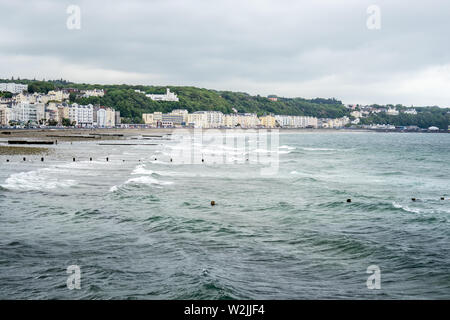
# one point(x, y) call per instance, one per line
point(198, 120)
point(268, 121)
point(5, 115)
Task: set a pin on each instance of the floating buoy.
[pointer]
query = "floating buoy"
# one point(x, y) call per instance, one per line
point(24, 159)
point(213, 203)
point(155, 159)
point(7, 160)
point(42, 159)
point(442, 198)
point(413, 199)
point(90, 159)
point(349, 200)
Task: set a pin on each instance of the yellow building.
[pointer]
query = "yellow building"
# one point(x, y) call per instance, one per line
point(148, 118)
point(198, 120)
point(63, 113)
point(268, 121)
point(5, 115)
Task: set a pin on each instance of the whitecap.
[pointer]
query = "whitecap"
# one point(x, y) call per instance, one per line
point(405, 208)
point(140, 169)
point(147, 181)
point(287, 147)
point(36, 180)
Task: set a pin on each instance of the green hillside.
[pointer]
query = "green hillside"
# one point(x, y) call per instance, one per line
point(132, 104)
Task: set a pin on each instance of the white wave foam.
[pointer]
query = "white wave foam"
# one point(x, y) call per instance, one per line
point(287, 147)
point(147, 180)
point(405, 208)
point(140, 169)
point(35, 180)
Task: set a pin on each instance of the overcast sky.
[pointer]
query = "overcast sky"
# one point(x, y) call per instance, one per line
point(292, 48)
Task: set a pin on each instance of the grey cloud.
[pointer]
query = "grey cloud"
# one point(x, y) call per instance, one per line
point(286, 47)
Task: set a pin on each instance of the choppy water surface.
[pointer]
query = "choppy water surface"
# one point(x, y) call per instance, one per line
point(145, 229)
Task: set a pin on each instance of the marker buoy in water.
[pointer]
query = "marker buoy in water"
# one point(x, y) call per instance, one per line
point(213, 203)
point(442, 198)
point(349, 200)
point(24, 159)
point(413, 199)
point(42, 159)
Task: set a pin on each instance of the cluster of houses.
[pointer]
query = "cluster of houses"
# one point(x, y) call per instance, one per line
point(53, 108)
point(358, 111)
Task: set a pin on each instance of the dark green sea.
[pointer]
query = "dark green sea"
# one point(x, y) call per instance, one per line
point(140, 228)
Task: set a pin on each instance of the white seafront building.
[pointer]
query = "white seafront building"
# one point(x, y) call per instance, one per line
point(285, 121)
point(105, 117)
point(81, 115)
point(27, 112)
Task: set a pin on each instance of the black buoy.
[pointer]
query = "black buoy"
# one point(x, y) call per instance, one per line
point(442, 198)
point(155, 159)
point(413, 199)
point(24, 159)
point(7, 160)
point(42, 159)
point(90, 159)
point(213, 203)
point(349, 200)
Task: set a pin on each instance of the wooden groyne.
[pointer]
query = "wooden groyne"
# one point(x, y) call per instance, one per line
point(72, 136)
point(30, 142)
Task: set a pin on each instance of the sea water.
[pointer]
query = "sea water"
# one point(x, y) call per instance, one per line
point(140, 226)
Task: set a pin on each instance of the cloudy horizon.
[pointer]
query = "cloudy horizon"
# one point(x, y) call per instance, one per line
point(288, 48)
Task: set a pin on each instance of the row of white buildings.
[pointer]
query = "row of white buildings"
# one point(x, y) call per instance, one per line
point(217, 119)
point(40, 113)
point(13, 87)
